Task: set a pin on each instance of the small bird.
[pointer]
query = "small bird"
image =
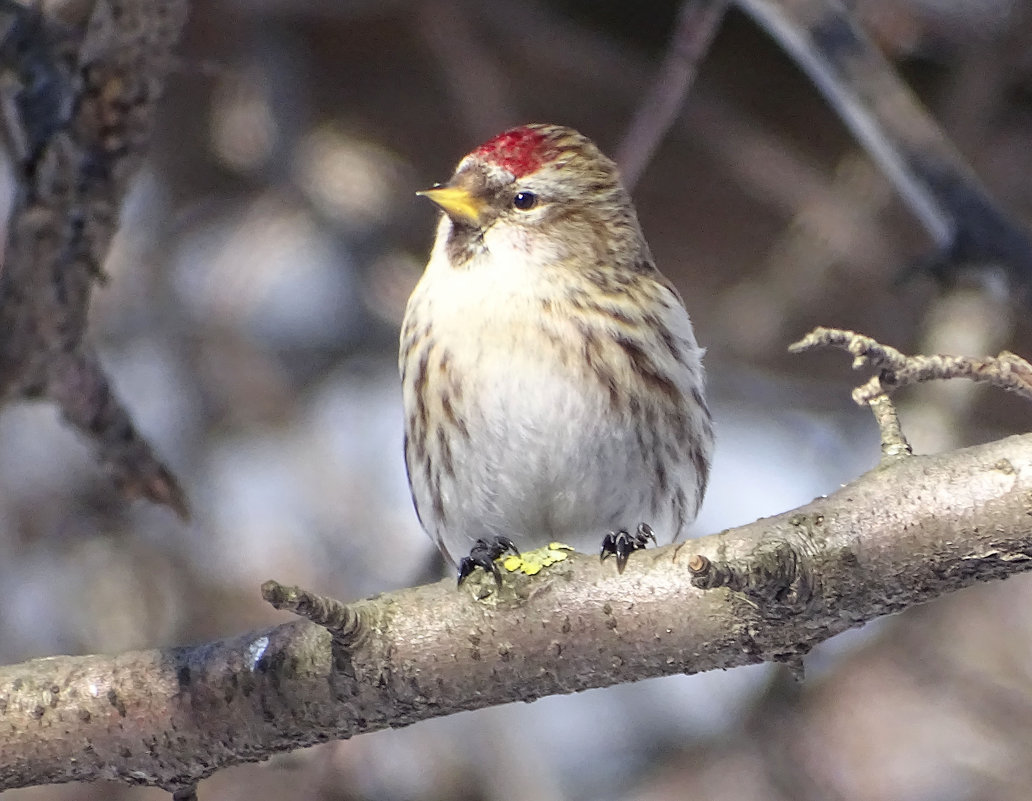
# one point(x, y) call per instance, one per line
point(552, 383)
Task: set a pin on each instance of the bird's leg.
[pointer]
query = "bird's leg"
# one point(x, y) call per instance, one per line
point(622, 544)
point(483, 554)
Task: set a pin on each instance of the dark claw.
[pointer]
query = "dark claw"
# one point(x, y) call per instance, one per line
point(483, 554)
point(622, 544)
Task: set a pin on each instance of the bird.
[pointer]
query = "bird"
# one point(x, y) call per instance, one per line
point(552, 384)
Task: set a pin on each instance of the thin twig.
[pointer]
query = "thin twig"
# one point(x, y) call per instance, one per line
point(1007, 371)
point(475, 85)
point(336, 617)
point(894, 443)
point(697, 25)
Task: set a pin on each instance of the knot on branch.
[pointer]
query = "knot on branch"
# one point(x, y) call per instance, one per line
point(777, 578)
point(341, 620)
point(185, 793)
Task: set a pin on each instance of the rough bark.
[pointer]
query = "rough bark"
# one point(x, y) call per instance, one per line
point(78, 92)
point(903, 534)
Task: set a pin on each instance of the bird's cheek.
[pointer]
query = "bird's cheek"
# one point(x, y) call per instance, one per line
point(504, 237)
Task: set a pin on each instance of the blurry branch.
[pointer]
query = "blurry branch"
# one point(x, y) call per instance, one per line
point(77, 94)
point(966, 225)
point(903, 534)
point(475, 84)
point(767, 165)
point(697, 25)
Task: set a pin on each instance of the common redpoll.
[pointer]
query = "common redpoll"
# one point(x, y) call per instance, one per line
point(553, 387)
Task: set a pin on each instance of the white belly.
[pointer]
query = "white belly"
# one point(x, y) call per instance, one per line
point(551, 462)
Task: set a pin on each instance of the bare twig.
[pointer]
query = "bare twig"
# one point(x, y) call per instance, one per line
point(1007, 371)
point(336, 617)
point(475, 85)
point(894, 443)
point(697, 25)
point(897, 370)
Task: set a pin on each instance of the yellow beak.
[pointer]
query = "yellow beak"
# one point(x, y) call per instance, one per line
point(457, 203)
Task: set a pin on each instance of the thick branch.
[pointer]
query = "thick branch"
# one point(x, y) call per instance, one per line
point(78, 97)
point(898, 536)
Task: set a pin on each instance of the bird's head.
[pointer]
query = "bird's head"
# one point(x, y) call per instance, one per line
point(540, 180)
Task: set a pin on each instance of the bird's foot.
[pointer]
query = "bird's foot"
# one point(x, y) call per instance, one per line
point(483, 554)
point(623, 543)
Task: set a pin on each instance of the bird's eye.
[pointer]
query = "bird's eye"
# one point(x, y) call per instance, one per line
point(524, 201)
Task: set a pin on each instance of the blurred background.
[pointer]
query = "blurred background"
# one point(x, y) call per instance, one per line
point(250, 324)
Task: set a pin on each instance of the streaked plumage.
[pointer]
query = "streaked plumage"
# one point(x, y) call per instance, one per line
point(553, 387)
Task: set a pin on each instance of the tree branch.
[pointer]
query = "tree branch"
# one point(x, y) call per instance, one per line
point(78, 95)
point(931, 176)
point(697, 25)
point(896, 370)
point(900, 535)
